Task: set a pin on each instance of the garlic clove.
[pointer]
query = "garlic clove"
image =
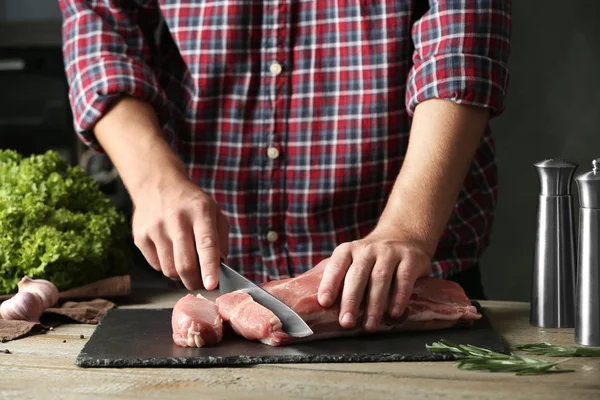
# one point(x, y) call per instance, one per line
point(33, 298)
point(24, 306)
point(43, 288)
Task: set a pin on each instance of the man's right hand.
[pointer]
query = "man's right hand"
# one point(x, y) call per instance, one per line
point(175, 223)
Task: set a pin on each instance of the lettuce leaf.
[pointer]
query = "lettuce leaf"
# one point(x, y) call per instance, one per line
point(56, 224)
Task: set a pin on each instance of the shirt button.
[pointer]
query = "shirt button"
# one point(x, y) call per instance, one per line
point(272, 153)
point(272, 236)
point(275, 68)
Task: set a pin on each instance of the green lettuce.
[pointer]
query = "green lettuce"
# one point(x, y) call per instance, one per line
point(56, 224)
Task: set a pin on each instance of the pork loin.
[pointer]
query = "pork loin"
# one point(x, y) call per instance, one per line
point(196, 322)
point(434, 304)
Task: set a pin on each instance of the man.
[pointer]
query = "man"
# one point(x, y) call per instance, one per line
point(276, 134)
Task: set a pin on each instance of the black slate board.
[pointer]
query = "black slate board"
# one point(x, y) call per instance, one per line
point(142, 338)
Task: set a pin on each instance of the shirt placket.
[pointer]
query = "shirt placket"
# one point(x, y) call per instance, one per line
point(275, 71)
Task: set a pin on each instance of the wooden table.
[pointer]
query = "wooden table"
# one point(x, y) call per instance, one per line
point(42, 366)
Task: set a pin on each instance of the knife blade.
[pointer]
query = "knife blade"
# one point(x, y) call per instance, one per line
point(292, 323)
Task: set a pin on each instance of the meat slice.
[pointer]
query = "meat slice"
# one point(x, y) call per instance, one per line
point(434, 304)
point(196, 322)
point(249, 319)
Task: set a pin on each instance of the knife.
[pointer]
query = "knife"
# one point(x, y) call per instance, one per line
point(293, 324)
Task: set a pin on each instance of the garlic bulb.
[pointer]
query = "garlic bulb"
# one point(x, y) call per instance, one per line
point(23, 306)
point(43, 288)
point(34, 296)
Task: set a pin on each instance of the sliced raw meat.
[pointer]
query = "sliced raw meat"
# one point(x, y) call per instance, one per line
point(249, 319)
point(434, 304)
point(196, 322)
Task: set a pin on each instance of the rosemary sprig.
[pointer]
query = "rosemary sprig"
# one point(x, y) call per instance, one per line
point(477, 358)
point(550, 350)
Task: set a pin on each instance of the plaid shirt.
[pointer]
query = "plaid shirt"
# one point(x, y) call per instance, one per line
point(295, 114)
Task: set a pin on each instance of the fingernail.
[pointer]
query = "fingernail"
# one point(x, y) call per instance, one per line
point(209, 281)
point(325, 299)
point(371, 323)
point(396, 311)
point(348, 318)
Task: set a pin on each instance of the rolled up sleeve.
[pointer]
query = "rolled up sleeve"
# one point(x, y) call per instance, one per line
point(461, 54)
point(107, 50)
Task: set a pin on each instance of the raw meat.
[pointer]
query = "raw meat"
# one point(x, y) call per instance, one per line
point(249, 319)
point(434, 304)
point(196, 322)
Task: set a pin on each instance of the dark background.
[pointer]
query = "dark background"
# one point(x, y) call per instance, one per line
point(553, 110)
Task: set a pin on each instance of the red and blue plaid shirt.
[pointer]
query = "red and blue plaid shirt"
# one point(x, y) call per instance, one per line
point(295, 114)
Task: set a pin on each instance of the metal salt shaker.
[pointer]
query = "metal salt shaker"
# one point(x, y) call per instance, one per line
point(587, 306)
point(553, 286)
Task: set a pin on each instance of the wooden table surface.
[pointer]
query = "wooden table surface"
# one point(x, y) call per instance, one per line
point(42, 366)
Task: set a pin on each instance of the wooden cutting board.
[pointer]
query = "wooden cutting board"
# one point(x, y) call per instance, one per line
point(142, 338)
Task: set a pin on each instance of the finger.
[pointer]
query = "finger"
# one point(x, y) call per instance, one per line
point(184, 253)
point(403, 286)
point(378, 292)
point(164, 250)
point(353, 293)
point(146, 246)
point(207, 247)
point(333, 275)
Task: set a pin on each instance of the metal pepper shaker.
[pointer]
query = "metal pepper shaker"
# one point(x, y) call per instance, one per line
point(553, 286)
point(587, 306)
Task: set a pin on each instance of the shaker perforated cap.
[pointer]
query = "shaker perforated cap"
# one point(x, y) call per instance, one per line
point(588, 184)
point(555, 176)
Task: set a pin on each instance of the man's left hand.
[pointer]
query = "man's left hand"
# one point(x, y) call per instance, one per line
point(381, 269)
